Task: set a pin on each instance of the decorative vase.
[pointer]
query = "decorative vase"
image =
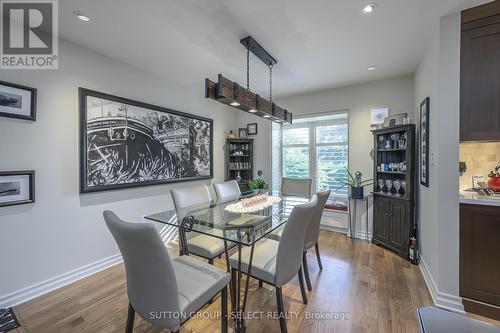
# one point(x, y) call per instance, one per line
point(238, 177)
point(357, 193)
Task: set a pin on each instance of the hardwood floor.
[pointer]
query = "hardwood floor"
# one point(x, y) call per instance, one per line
point(374, 289)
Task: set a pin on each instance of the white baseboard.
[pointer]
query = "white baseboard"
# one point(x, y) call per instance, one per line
point(440, 299)
point(38, 289)
point(344, 231)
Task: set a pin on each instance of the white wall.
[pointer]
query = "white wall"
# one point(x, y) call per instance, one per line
point(438, 77)
point(64, 230)
point(396, 93)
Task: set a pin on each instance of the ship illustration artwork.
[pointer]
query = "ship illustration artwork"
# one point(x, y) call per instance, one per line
point(8, 101)
point(122, 149)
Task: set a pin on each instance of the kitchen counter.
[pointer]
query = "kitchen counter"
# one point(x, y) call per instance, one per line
point(476, 199)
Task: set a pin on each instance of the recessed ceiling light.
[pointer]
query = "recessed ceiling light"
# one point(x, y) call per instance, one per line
point(372, 68)
point(369, 8)
point(252, 111)
point(234, 104)
point(81, 16)
point(266, 116)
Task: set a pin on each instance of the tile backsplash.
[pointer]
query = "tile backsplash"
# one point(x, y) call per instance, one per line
point(481, 158)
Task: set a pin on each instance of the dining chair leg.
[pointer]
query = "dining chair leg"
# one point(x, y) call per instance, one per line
point(211, 261)
point(130, 319)
point(302, 288)
point(306, 270)
point(233, 287)
point(281, 309)
point(261, 284)
point(316, 246)
point(223, 308)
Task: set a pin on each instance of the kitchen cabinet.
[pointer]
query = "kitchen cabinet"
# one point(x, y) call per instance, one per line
point(393, 212)
point(480, 73)
point(479, 260)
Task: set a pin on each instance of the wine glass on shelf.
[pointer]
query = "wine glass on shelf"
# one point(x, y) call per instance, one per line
point(403, 186)
point(394, 138)
point(380, 185)
point(388, 184)
point(381, 141)
point(397, 186)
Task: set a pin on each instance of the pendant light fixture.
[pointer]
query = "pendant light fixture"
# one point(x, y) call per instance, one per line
point(231, 93)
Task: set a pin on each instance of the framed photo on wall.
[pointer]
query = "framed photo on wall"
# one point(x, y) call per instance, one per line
point(126, 143)
point(17, 187)
point(424, 141)
point(252, 129)
point(17, 101)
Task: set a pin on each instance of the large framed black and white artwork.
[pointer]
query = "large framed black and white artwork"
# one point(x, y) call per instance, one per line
point(17, 101)
point(424, 141)
point(125, 143)
point(17, 187)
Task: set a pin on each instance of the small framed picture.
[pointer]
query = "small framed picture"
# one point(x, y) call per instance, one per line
point(252, 129)
point(17, 101)
point(378, 116)
point(17, 187)
point(242, 133)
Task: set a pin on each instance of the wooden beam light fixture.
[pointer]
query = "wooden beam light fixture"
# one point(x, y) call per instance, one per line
point(231, 93)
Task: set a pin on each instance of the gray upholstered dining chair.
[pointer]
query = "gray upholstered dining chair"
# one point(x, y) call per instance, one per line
point(312, 234)
point(227, 191)
point(277, 262)
point(296, 186)
point(164, 291)
point(195, 197)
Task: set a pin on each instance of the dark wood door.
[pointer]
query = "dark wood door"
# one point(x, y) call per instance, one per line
point(398, 225)
point(382, 220)
point(479, 253)
point(480, 80)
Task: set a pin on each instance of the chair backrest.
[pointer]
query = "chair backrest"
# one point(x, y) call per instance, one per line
point(295, 186)
point(151, 282)
point(313, 230)
point(289, 257)
point(227, 191)
point(188, 198)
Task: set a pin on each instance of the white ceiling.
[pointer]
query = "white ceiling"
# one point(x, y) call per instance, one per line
point(319, 44)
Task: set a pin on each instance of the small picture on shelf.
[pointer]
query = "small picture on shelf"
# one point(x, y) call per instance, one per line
point(378, 116)
point(242, 133)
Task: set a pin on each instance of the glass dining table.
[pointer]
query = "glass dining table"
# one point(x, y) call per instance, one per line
point(238, 223)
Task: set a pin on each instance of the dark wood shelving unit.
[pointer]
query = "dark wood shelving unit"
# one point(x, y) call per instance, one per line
point(239, 160)
point(393, 215)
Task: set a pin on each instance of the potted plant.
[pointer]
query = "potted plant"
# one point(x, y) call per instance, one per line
point(356, 184)
point(257, 184)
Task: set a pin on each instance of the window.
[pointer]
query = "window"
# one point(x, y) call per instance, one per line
point(316, 148)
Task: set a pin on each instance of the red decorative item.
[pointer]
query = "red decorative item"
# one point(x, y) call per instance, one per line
point(494, 182)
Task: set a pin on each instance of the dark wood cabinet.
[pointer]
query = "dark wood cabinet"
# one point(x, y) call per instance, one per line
point(393, 208)
point(381, 210)
point(399, 229)
point(239, 161)
point(479, 259)
point(480, 74)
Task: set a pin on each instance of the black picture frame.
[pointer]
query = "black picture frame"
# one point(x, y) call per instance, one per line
point(242, 133)
point(84, 187)
point(424, 141)
point(250, 130)
point(33, 101)
point(31, 187)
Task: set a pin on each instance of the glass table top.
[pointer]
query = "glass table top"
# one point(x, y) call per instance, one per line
point(242, 222)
